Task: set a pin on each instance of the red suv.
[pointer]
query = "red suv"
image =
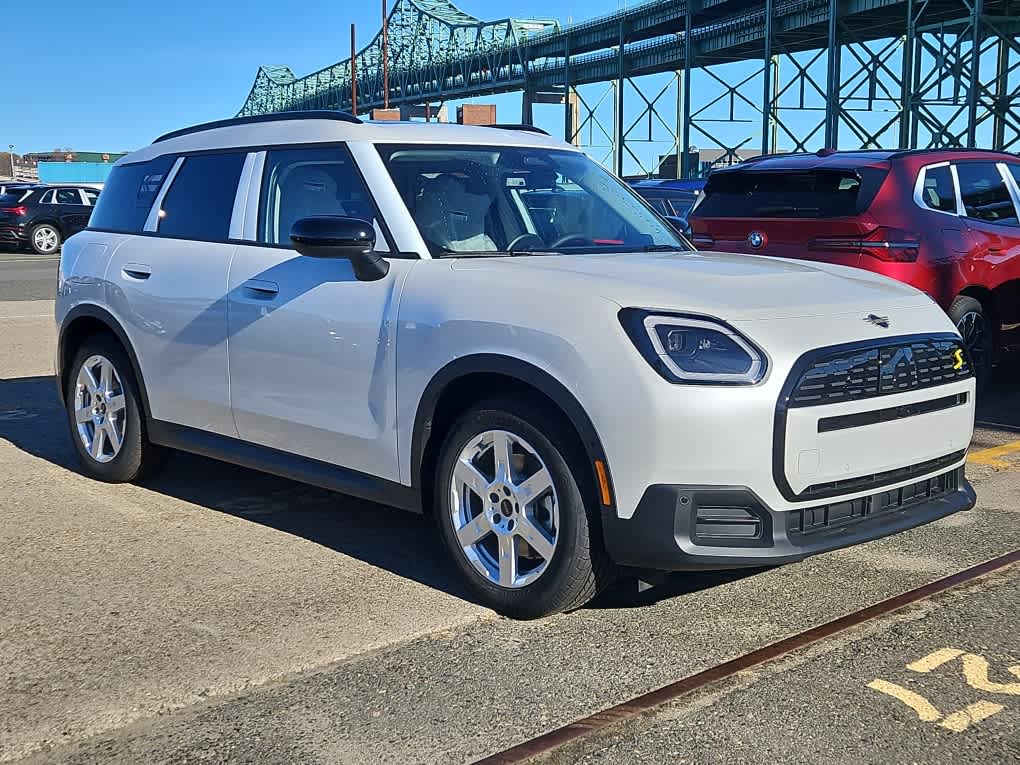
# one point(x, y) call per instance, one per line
point(944, 221)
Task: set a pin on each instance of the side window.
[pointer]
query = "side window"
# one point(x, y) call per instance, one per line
point(302, 182)
point(128, 195)
point(47, 198)
point(68, 197)
point(984, 193)
point(937, 190)
point(92, 195)
point(201, 198)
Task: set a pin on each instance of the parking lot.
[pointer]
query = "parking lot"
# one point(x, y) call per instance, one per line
point(218, 614)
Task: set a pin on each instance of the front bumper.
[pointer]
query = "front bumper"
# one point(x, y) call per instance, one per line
point(679, 528)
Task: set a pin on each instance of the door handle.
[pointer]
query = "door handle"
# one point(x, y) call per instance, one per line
point(138, 271)
point(262, 288)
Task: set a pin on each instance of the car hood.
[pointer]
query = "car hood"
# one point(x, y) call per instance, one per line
point(726, 285)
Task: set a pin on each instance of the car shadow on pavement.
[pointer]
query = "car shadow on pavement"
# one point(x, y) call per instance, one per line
point(637, 590)
point(398, 541)
point(999, 404)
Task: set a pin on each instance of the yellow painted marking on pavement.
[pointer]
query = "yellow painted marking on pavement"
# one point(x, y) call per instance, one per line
point(991, 456)
point(958, 722)
point(935, 659)
point(975, 669)
point(925, 710)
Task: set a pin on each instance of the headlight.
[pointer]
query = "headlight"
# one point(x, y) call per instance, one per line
point(694, 349)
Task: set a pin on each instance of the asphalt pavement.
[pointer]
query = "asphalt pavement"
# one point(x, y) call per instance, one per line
point(219, 615)
point(26, 276)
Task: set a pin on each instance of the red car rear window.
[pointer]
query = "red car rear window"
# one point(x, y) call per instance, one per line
point(790, 193)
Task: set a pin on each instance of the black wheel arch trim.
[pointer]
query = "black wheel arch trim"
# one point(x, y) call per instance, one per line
point(92, 311)
point(46, 222)
point(522, 371)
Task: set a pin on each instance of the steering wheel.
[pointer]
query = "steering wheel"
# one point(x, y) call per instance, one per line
point(580, 241)
point(527, 236)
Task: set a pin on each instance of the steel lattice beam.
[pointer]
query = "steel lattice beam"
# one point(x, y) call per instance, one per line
point(741, 76)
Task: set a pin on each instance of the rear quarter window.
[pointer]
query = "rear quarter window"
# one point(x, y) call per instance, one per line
point(128, 195)
point(825, 193)
point(938, 190)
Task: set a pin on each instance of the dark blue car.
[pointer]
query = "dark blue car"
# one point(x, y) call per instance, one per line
point(672, 198)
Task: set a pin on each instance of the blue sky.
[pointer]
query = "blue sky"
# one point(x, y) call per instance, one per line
point(111, 75)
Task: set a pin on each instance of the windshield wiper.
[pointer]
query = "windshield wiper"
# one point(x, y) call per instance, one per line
point(663, 248)
point(447, 253)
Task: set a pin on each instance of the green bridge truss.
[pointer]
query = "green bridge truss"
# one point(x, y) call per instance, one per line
point(641, 85)
point(431, 43)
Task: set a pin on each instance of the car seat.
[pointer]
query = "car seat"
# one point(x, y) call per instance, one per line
point(452, 218)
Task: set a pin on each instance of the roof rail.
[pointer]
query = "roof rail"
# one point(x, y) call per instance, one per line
point(317, 114)
point(517, 126)
point(944, 150)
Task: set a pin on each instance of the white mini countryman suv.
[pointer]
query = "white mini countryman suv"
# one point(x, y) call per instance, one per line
point(483, 324)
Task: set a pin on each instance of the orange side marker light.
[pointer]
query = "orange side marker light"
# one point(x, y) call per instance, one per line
point(600, 471)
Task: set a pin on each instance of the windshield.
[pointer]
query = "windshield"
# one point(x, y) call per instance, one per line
point(486, 200)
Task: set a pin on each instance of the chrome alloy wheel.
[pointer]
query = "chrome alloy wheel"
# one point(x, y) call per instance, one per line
point(99, 409)
point(504, 507)
point(45, 239)
point(973, 329)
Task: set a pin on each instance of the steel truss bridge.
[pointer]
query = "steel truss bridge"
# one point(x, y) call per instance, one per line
point(746, 76)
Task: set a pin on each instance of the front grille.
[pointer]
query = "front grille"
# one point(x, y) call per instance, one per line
point(814, 519)
point(879, 370)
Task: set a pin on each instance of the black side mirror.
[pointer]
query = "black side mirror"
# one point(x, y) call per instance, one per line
point(678, 224)
point(335, 236)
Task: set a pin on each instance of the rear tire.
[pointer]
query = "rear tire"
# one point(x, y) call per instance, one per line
point(534, 511)
point(975, 326)
point(45, 239)
point(105, 414)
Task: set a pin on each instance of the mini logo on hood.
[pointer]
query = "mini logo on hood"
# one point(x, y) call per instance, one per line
point(756, 239)
point(878, 321)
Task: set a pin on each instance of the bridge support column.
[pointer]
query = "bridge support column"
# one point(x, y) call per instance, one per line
point(907, 82)
point(768, 74)
point(568, 98)
point(1001, 108)
point(833, 79)
point(686, 171)
point(572, 117)
point(974, 88)
point(618, 124)
point(528, 107)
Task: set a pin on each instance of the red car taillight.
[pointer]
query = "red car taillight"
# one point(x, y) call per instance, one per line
point(19, 210)
point(889, 244)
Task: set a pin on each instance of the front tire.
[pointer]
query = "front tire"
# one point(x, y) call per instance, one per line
point(105, 414)
point(975, 327)
point(511, 511)
point(45, 239)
